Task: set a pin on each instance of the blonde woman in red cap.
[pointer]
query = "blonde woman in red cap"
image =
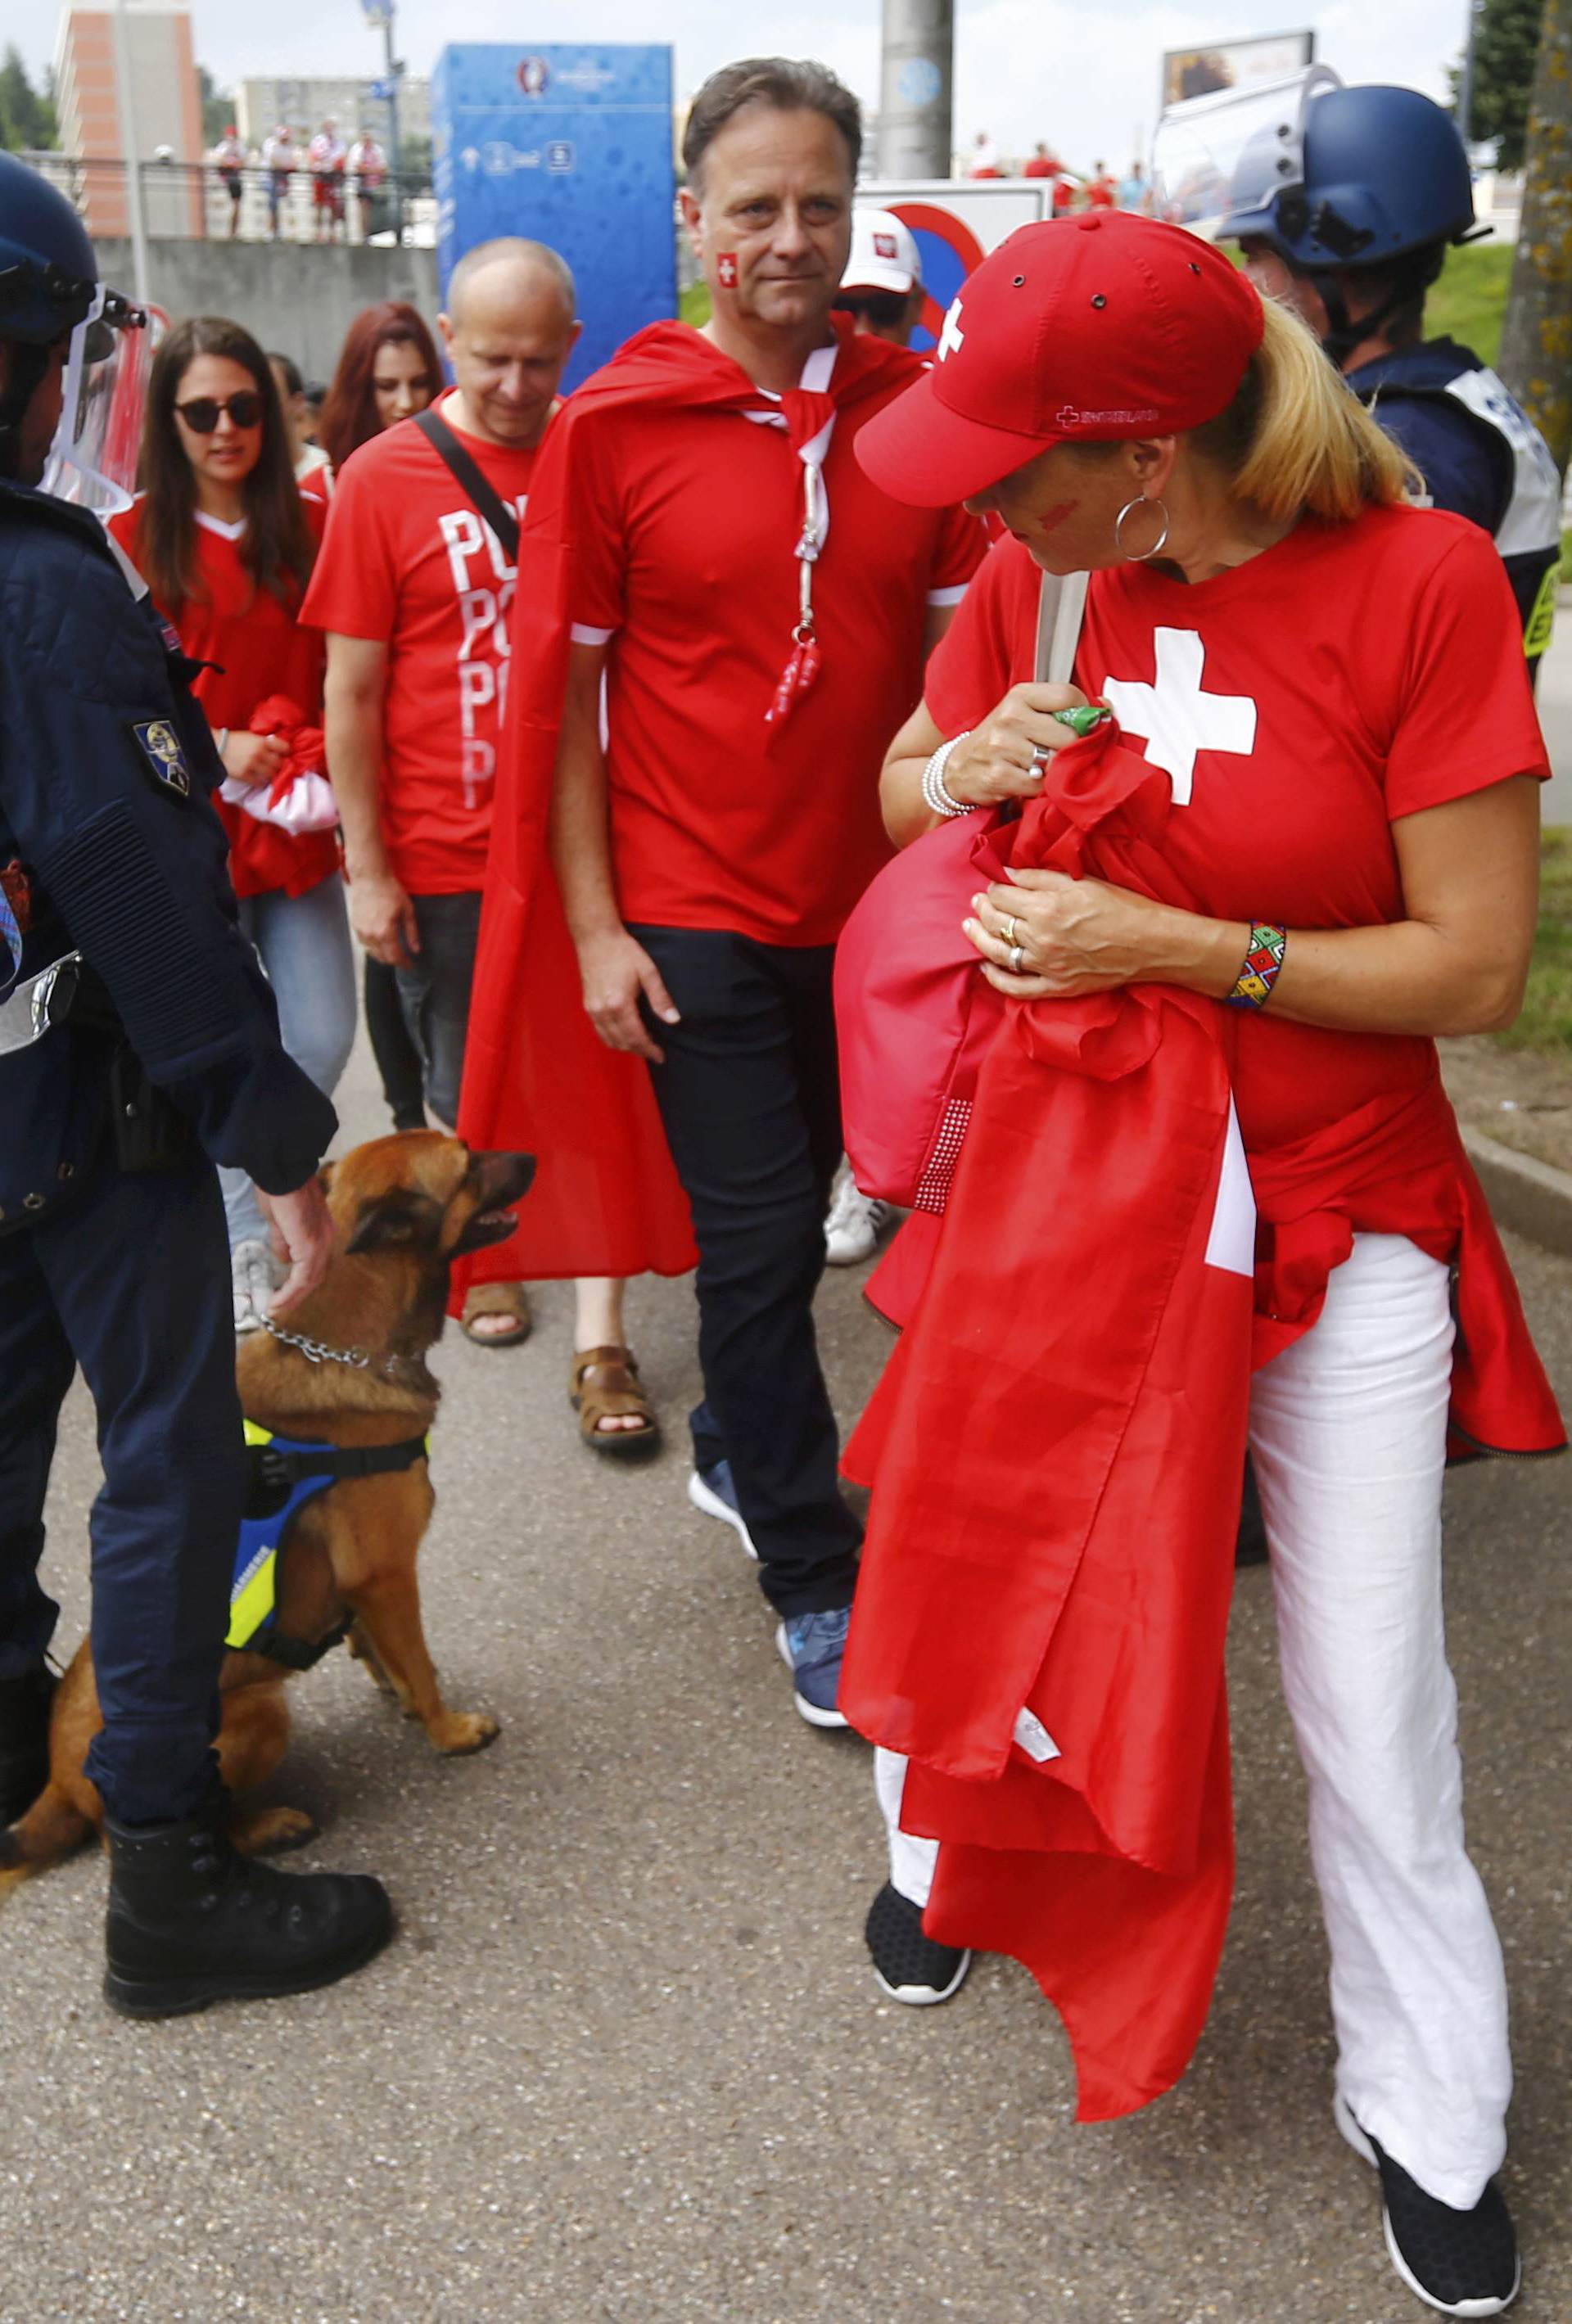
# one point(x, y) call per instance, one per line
point(1210, 1189)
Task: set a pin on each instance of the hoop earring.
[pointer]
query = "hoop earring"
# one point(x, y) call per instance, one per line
point(1139, 556)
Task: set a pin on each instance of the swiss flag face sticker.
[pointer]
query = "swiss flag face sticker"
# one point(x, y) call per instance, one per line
point(884, 245)
point(726, 269)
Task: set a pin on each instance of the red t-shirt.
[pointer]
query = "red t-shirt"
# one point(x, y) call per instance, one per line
point(1037, 167)
point(1301, 704)
point(259, 646)
point(686, 522)
point(409, 562)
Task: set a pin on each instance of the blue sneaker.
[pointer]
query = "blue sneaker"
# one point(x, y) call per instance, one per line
point(712, 1491)
point(812, 1645)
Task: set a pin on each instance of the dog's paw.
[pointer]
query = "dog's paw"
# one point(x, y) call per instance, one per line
point(459, 1731)
point(274, 1830)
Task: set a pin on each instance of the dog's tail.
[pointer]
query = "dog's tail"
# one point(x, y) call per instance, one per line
point(52, 1826)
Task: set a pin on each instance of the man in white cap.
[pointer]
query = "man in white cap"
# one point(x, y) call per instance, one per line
point(881, 288)
point(882, 291)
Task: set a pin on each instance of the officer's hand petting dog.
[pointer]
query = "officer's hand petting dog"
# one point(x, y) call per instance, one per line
point(302, 1236)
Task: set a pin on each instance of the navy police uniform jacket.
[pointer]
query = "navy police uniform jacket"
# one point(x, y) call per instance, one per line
point(1481, 456)
point(109, 846)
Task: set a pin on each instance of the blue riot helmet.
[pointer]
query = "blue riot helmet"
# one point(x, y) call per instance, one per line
point(1381, 172)
point(48, 272)
point(50, 291)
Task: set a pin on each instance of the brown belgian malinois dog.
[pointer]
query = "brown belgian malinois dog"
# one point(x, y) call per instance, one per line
point(404, 1207)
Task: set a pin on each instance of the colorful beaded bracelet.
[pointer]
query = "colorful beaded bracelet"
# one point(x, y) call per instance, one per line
point(1262, 961)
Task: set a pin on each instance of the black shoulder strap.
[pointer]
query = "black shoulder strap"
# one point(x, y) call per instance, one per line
point(484, 496)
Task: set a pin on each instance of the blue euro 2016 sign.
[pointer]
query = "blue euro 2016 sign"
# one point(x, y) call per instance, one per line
point(572, 147)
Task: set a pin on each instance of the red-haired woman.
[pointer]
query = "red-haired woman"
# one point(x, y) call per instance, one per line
point(226, 542)
point(388, 370)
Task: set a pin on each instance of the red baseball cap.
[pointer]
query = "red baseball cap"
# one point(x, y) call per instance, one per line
point(1079, 329)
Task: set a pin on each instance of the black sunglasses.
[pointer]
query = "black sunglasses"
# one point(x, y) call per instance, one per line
point(204, 412)
point(885, 308)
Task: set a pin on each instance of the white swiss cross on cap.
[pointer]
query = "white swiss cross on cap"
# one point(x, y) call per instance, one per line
point(952, 335)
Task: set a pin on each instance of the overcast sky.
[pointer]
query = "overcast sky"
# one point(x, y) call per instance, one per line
point(1081, 73)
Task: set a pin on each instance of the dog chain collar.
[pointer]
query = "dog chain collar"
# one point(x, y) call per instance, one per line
point(317, 1351)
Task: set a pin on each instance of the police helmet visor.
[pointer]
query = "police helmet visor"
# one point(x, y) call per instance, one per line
point(1233, 153)
point(93, 459)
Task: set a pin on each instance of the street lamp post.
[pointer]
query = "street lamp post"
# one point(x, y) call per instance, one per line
point(128, 139)
point(379, 13)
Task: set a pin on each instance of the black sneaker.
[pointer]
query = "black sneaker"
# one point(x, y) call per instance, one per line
point(908, 1966)
point(1461, 2263)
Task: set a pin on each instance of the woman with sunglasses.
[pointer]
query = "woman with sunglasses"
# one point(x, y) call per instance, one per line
point(1281, 832)
point(226, 542)
point(388, 370)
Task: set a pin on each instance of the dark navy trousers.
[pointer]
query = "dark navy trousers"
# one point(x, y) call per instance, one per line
point(130, 1281)
point(750, 1100)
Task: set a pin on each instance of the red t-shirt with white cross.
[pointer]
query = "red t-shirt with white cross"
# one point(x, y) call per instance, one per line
point(685, 522)
point(409, 562)
point(1300, 703)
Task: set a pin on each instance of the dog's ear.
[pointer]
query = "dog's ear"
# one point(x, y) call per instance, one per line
point(401, 1216)
point(325, 1177)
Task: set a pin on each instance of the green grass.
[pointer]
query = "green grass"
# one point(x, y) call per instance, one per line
point(1546, 1023)
point(693, 305)
point(1469, 301)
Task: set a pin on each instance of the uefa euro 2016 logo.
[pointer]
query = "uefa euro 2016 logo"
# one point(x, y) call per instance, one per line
point(533, 74)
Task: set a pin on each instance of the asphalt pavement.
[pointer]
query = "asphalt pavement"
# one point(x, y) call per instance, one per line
point(625, 2062)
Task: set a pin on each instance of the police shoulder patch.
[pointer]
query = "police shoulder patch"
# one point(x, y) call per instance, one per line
point(162, 749)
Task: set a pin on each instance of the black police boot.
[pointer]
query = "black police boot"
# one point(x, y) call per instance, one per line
point(191, 1922)
point(24, 1704)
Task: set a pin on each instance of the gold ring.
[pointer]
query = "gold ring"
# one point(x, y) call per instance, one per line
point(1010, 937)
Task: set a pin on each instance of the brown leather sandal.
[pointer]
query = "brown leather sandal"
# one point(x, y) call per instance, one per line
point(604, 1384)
point(508, 1300)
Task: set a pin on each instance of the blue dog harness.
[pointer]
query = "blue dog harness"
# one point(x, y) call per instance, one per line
point(283, 1473)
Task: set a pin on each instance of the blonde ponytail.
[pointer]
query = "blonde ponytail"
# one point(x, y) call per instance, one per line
point(1295, 438)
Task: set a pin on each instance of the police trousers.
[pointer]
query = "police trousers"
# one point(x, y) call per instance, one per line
point(131, 1282)
point(1349, 1433)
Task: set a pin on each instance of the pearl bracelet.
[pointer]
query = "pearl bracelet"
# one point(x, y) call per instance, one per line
point(934, 794)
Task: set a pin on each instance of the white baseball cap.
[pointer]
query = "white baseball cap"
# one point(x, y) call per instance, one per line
point(884, 255)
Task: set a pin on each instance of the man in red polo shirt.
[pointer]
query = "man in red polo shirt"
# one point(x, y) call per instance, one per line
point(758, 617)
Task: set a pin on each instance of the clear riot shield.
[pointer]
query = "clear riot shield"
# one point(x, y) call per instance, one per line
point(1233, 149)
point(93, 459)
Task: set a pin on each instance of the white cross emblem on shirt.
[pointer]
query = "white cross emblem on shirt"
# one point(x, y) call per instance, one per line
point(952, 335)
point(1176, 717)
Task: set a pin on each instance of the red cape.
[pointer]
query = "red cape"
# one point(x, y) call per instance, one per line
point(1056, 1452)
point(606, 1200)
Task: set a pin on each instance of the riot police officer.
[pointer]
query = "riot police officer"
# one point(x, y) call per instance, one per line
point(1351, 222)
point(139, 1046)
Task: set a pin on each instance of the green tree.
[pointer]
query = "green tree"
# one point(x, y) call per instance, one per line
point(217, 106)
point(1536, 340)
point(1506, 39)
point(27, 122)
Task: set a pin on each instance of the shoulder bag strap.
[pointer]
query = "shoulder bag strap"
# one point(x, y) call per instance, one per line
point(1061, 602)
point(484, 496)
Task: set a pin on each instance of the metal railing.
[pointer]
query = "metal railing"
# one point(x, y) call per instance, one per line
point(187, 200)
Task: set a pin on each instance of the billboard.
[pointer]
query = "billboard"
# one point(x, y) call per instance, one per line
point(1233, 64)
point(572, 147)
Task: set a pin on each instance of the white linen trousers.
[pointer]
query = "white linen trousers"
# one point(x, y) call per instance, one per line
point(1348, 1431)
